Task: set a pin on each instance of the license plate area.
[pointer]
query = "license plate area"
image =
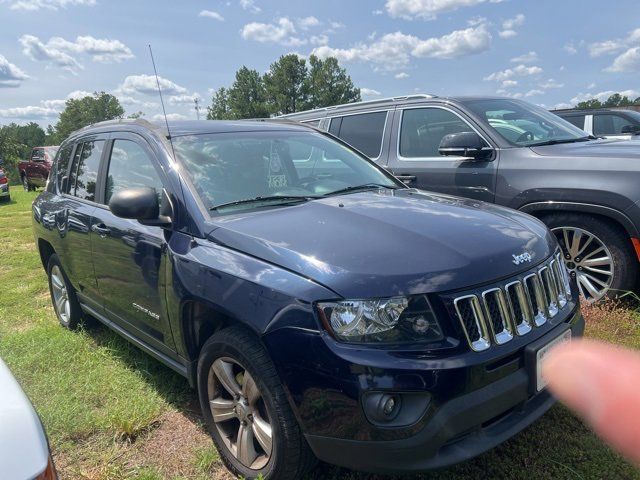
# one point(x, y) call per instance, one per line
point(541, 383)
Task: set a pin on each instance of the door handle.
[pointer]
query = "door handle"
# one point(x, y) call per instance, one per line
point(101, 229)
point(406, 179)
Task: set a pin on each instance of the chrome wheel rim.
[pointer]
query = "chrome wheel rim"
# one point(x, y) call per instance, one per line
point(588, 260)
point(60, 295)
point(239, 413)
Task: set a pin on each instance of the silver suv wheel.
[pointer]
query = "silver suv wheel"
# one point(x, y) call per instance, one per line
point(588, 259)
point(60, 295)
point(239, 413)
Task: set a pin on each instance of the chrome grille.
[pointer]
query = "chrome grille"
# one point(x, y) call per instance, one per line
point(515, 308)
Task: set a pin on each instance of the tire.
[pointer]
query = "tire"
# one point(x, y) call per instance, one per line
point(25, 184)
point(623, 264)
point(234, 351)
point(68, 312)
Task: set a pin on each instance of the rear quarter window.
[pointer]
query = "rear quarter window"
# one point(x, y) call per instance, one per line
point(363, 132)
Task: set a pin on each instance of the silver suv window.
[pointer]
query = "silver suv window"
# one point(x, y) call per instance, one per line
point(363, 131)
point(422, 131)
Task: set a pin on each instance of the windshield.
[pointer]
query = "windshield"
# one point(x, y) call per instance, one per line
point(524, 124)
point(227, 168)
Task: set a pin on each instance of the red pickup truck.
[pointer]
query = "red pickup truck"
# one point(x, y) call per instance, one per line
point(35, 171)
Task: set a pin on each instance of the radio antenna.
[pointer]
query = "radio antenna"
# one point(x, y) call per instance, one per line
point(164, 112)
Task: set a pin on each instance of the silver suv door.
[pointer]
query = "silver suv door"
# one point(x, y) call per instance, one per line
point(414, 158)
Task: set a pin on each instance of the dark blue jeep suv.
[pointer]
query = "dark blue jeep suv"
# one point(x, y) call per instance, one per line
point(321, 308)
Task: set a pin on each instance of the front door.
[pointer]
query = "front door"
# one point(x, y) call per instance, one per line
point(414, 158)
point(130, 258)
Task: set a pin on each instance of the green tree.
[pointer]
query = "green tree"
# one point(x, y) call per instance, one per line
point(329, 84)
point(286, 86)
point(219, 108)
point(617, 100)
point(246, 97)
point(593, 103)
point(16, 141)
point(80, 112)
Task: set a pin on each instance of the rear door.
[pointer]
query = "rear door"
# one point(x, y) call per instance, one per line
point(78, 205)
point(414, 158)
point(131, 257)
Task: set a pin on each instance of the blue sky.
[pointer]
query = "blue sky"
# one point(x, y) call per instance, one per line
point(552, 53)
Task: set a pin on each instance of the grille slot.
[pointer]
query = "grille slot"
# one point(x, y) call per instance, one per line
point(515, 308)
point(473, 322)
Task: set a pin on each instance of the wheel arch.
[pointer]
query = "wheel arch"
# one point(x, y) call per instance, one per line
point(46, 250)
point(541, 209)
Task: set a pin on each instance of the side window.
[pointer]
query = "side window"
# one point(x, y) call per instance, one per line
point(422, 130)
point(364, 132)
point(609, 124)
point(87, 170)
point(130, 167)
point(576, 120)
point(334, 126)
point(62, 165)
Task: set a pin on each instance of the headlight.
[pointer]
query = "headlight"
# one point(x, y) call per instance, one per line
point(389, 320)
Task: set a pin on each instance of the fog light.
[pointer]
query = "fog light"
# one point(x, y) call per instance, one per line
point(389, 406)
point(395, 409)
point(382, 407)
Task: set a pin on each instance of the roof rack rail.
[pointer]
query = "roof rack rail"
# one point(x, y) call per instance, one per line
point(417, 96)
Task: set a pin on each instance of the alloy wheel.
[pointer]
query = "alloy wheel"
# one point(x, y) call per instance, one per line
point(588, 259)
point(60, 295)
point(239, 413)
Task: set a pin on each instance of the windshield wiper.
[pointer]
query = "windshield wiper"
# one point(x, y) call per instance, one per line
point(558, 141)
point(366, 186)
point(269, 198)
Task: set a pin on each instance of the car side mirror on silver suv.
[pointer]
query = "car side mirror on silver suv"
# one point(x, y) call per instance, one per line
point(465, 144)
point(632, 129)
point(140, 204)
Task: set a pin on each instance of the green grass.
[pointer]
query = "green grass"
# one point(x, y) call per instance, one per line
point(102, 401)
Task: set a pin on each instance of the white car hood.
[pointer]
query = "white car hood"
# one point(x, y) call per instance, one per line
point(24, 452)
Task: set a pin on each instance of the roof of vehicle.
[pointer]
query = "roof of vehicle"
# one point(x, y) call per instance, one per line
point(589, 111)
point(196, 127)
point(383, 103)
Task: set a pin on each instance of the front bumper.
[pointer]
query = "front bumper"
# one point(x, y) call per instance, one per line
point(462, 422)
point(4, 190)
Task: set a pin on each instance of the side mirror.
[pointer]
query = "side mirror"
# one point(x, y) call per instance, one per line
point(632, 129)
point(465, 144)
point(138, 204)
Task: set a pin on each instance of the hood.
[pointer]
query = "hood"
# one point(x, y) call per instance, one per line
point(611, 148)
point(379, 244)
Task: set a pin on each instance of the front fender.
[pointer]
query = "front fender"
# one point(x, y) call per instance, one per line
point(256, 294)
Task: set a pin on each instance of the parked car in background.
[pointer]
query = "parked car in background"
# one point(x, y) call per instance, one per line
point(34, 172)
point(320, 307)
point(24, 450)
point(604, 122)
point(515, 154)
point(5, 194)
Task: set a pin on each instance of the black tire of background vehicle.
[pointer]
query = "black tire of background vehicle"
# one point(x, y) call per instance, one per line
point(625, 260)
point(26, 185)
point(291, 456)
point(75, 318)
point(6, 199)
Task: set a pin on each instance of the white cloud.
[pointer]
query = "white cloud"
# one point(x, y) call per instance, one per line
point(520, 71)
point(427, 9)
point(608, 47)
point(531, 57)
point(570, 48)
point(211, 14)
point(534, 92)
point(250, 6)
point(30, 112)
point(33, 48)
point(146, 85)
point(319, 39)
point(551, 83)
point(170, 116)
point(185, 99)
point(10, 74)
point(394, 50)
point(58, 50)
point(401, 75)
point(369, 92)
point(509, 83)
point(509, 26)
point(307, 22)
point(32, 5)
point(281, 32)
point(134, 102)
point(629, 61)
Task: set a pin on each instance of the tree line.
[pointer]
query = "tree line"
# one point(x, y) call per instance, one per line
point(615, 100)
